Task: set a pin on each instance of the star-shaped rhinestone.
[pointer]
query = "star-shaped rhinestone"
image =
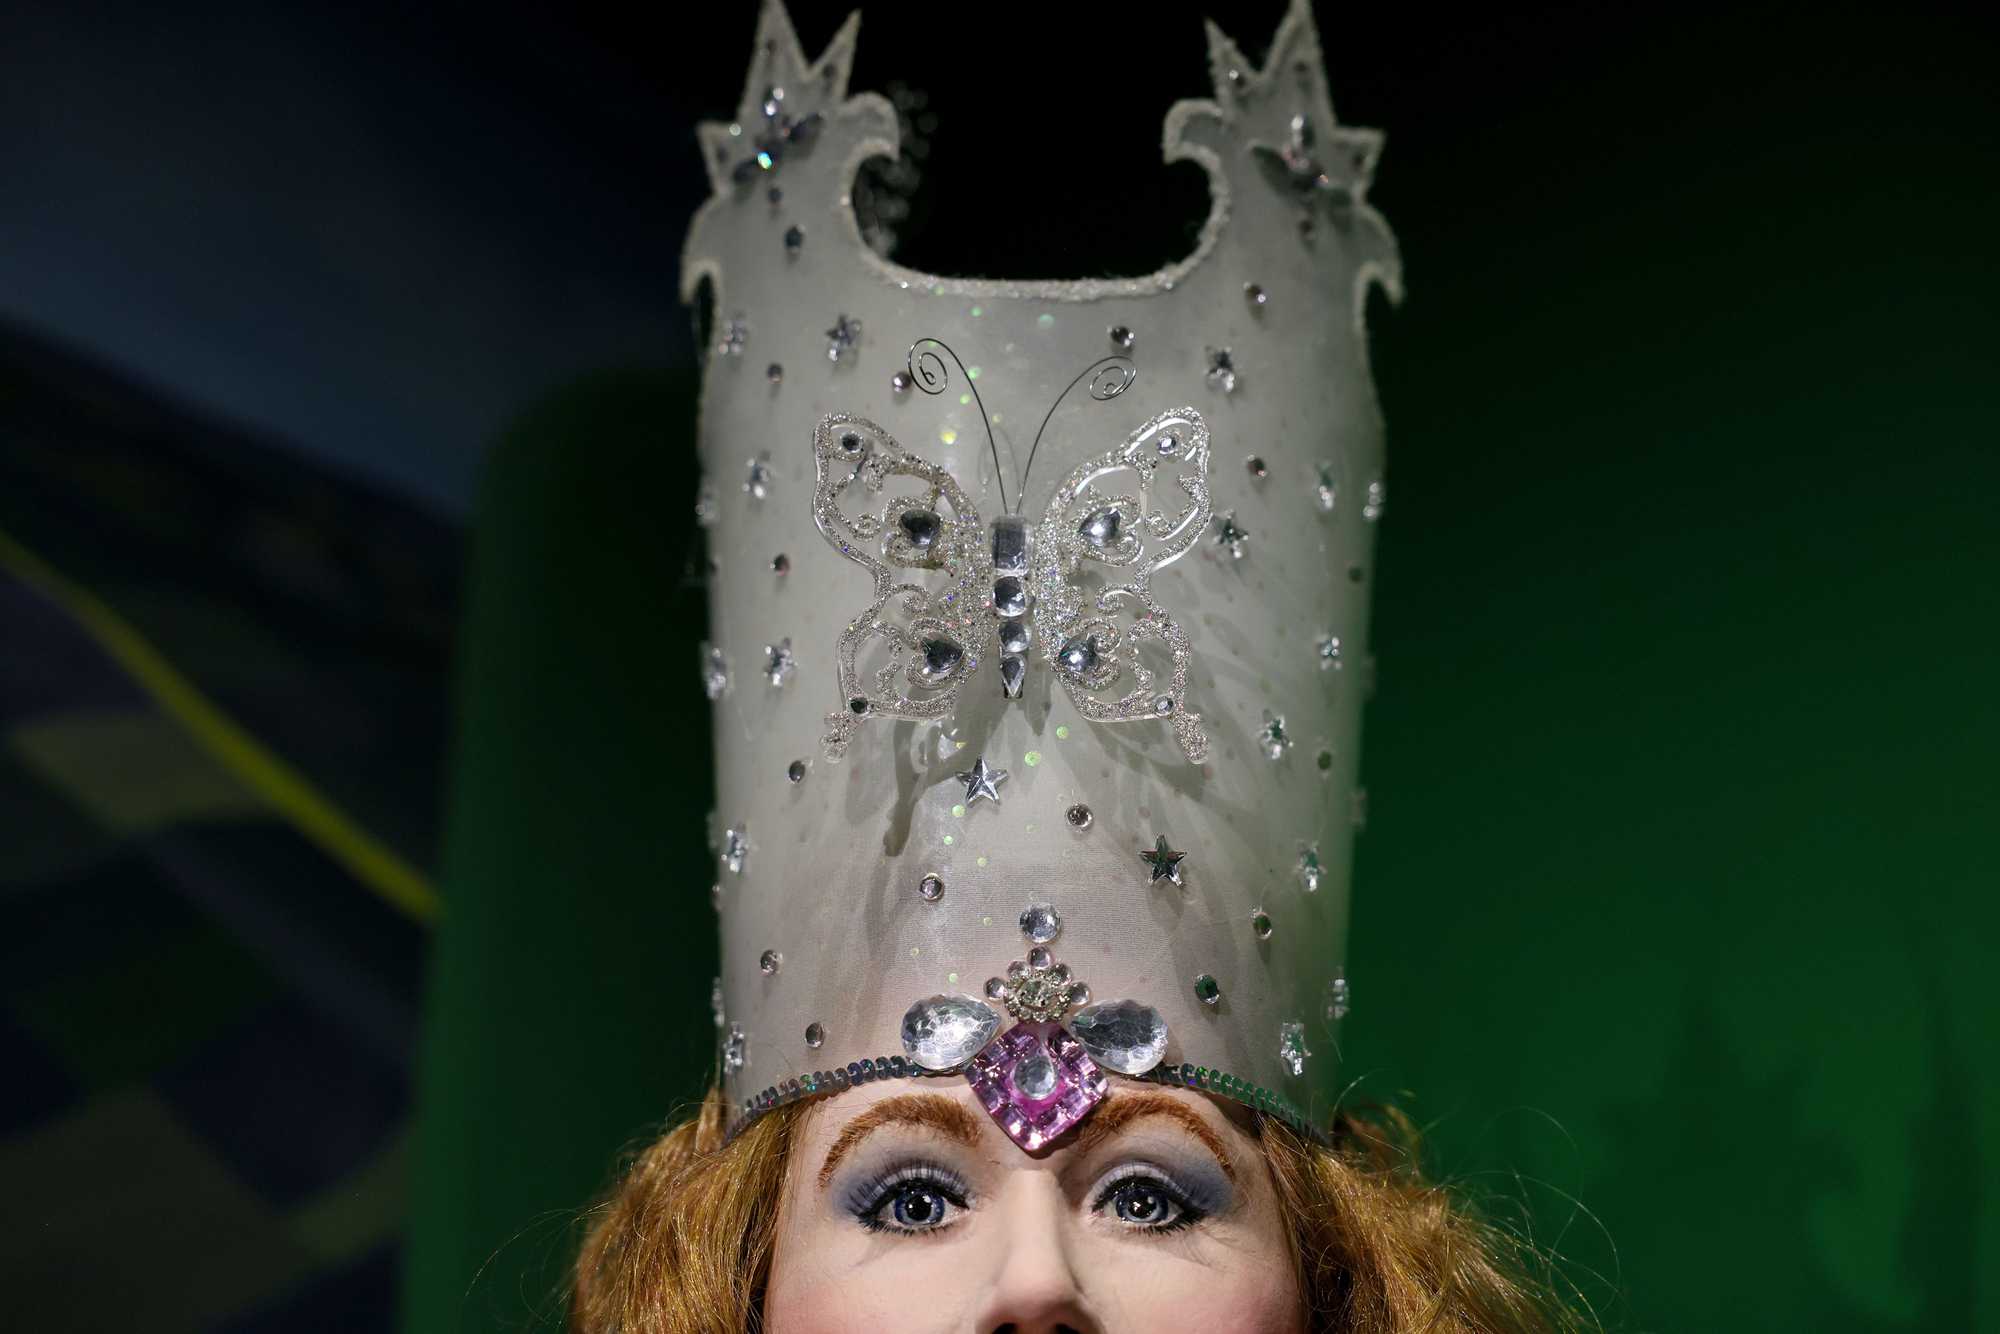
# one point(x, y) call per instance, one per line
point(1166, 863)
point(981, 780)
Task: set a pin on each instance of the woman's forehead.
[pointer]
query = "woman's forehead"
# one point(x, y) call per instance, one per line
point(950, 1111)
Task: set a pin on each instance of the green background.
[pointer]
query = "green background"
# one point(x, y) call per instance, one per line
point(1675, 917)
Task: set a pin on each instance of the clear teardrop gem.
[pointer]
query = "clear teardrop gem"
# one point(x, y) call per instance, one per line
point(942, 1032)
point(1121, 1035)
point(1100, 527)
point(941, 658)
point(1034, 1075)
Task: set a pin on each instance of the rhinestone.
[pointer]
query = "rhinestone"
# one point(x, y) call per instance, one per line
point(1079, 656)
point(1260, 922)
point(931, 888)
point(1292, 1047)
point(1038, 958)
point(1010, 545)
point(1377, 500)
point(1010, 596)
point(1122, 1035)
point(1013, 636)
point(769, 962)
point(732, 1050)
point(775, 373)
point(920, 528)
point(996, 988)
point(735, 848)
point(1122, 336)
point(1163, 704)
point(815, 1035)
point(796, 771)
point(850, 443)
point(781, 564)
point(1079, 994)
point(1167, 444)
point(1255, 295)
point(941, 1032)
point(900, 382)
point(1256, 467)
point(795, 239)
point(1208, 990)
point(1100, 527)
point(1040, 923)
point(1079, 816)
point(1017, 972)
point(859, 707)
point(1059, 973)
point(941, 658)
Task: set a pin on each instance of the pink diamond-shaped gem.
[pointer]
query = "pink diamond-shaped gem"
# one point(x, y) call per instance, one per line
point(1037, 1081)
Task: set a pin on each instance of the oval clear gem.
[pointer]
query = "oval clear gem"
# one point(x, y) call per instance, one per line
point(1121, 1035)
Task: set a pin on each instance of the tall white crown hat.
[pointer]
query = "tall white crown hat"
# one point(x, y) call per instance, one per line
point(1039, 618)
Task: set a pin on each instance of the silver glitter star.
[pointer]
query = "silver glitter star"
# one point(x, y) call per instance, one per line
point(982, 781)
point(1230, 535)
point(1221, 370)
point(1273, 737)
point(735, 848)
point(1329, 653)
point(735, 333)
point(714, 672)
point(1328, 489)
point(1166, 863)
point(757, 481)
point(1310, 869)
point(842, 337)
point(778, 661)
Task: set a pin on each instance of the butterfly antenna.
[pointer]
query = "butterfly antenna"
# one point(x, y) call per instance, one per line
point(1109, 377)
point(927, 372)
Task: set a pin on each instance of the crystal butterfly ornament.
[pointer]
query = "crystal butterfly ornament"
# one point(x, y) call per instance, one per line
point(1077, 584)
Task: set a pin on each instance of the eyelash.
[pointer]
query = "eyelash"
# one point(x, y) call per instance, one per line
point(942, 1182)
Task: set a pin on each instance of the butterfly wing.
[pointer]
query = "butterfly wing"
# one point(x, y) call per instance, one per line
point(909, 652)
point(1092, 635)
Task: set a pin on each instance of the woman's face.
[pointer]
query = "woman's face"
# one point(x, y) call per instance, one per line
point(910, 1210)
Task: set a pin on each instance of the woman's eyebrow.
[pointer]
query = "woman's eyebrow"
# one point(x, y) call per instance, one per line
point(931, 1111)
point(1117, 1113)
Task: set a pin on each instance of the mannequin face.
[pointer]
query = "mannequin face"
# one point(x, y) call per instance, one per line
point(905, 1207)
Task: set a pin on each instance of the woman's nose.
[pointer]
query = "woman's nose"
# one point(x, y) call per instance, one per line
point(1036, 1287)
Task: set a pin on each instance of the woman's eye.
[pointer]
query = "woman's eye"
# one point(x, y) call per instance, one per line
point(912, 1206)
point(1143, 1202)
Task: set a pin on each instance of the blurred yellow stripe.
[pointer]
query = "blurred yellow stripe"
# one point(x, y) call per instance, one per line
point(295, 798)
